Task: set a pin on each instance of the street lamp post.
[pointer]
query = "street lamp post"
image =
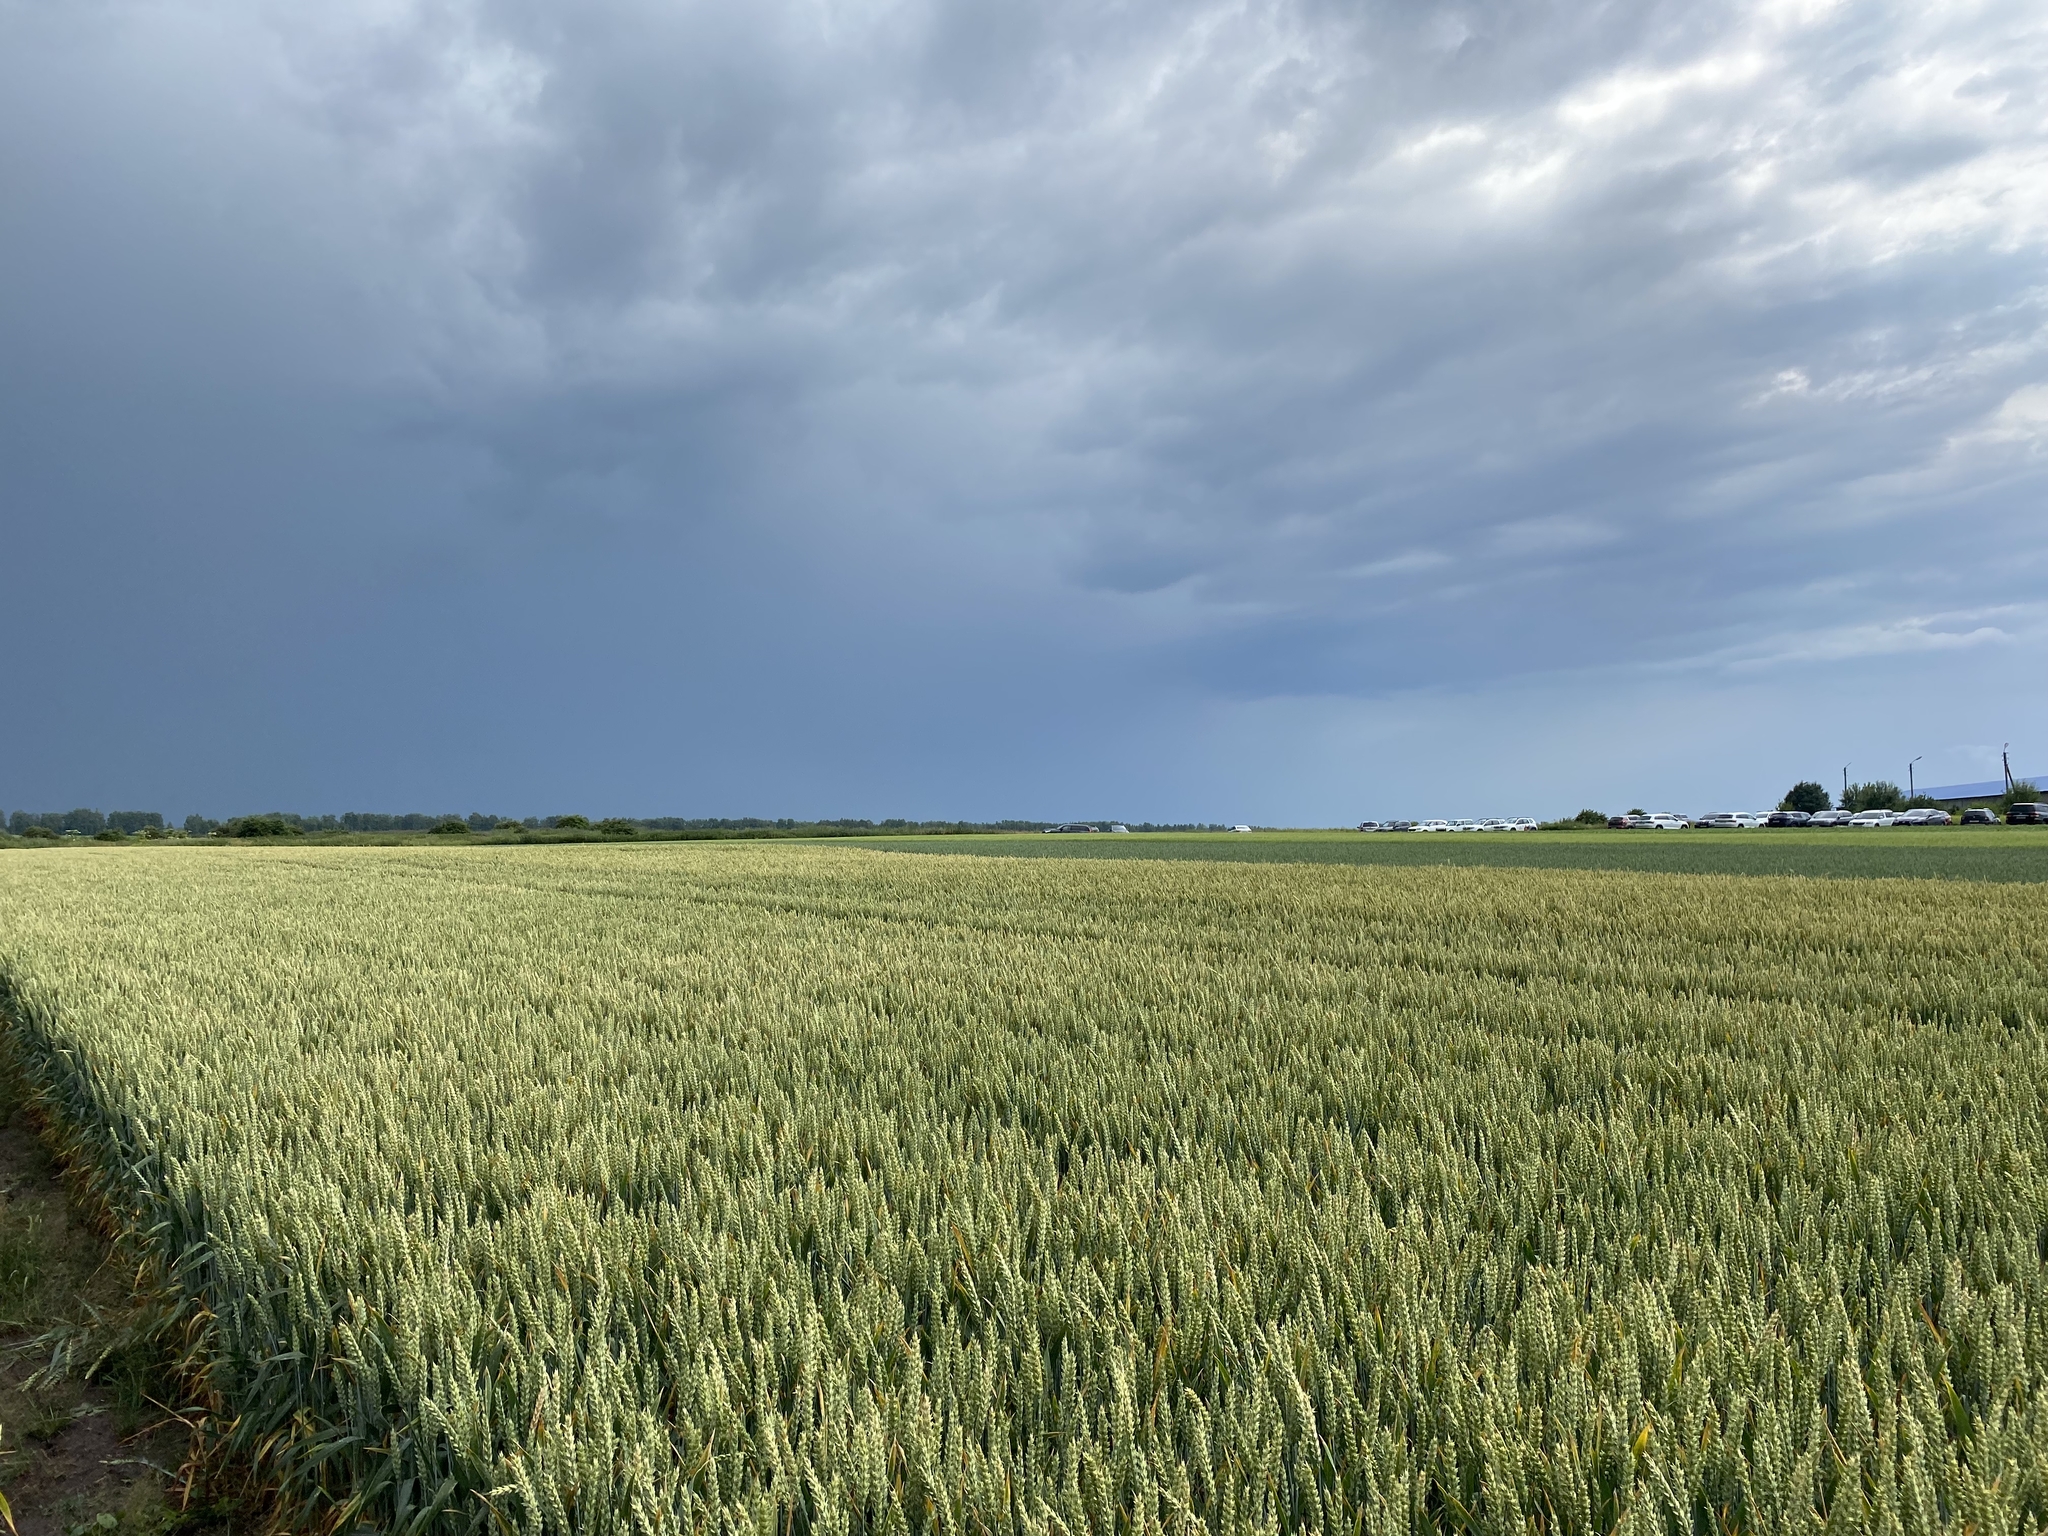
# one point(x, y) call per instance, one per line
point(1845, 786)
point(1911, 794)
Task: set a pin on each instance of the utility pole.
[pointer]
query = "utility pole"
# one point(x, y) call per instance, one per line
point(2005, 761)
point(1845, 786)
point(1910, 793)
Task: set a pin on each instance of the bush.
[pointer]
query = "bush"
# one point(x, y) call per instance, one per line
point(110, 835)
point(2022, 791)
point(40, 831)
point(450, 825)
point(1806, 796)
point(617, 826)
point(573, 823)
point(256, 826)
point(1877, 795)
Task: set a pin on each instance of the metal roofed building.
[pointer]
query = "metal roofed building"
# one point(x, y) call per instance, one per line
point(1988, 790)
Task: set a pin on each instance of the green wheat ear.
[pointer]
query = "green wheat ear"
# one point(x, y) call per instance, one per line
point(585, 1189)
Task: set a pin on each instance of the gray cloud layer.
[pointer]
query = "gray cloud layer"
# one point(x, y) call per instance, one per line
point(982, 407)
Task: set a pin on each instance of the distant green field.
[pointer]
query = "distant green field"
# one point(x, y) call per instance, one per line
point(1924, 853)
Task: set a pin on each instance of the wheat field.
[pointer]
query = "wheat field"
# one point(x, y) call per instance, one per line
point(781, 1189)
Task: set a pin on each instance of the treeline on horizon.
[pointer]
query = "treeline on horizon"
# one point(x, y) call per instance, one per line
point(86, 822)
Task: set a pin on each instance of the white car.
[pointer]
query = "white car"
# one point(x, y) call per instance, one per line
point(1522, 824)
point(1873, 818)
point(1719, 819)
point(1663, 821)
point(1432, 826)
point(1240, 827)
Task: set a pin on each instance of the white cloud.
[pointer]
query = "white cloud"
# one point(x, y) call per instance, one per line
point(1914, 635)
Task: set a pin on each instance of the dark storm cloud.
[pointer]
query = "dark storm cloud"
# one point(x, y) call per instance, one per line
point(1236, 353)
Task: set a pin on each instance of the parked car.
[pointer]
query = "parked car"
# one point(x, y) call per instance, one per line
point(2026, 810)
point(1873, 818)
point(1924, 816)
point(1240, 827)
point(1663, 821)
point(1980, 816)
point(1368, 826)
point(1788, 818)
point(1523, 824)
point(1071, 826)
point(1718, 819)
point(1620, 821)
point(1828, 819)
point(1432, 826)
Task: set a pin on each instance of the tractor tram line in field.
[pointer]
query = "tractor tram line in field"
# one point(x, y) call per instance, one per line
point(723, 1187)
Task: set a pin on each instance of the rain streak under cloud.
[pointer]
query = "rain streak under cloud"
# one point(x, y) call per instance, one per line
point(1285, 412)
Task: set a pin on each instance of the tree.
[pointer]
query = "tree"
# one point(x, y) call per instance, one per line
point(2022, 792)
point(573, 823)
point(199, 826)
point(257, 826)
point(617, 826)
point(1806, 796)
point(452, 824)
point(84, 822)
point(1877, 795)
point(39, 830)
point(1592, 818)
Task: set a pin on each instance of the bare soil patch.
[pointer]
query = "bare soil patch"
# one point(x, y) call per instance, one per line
point(92, 1442)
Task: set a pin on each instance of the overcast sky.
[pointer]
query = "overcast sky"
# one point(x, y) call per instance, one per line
point(1283, 412)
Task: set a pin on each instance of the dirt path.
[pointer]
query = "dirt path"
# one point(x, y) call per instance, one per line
point(94, 1457)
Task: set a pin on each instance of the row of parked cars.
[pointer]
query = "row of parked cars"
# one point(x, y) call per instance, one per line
point(1491, 824)
point(1925, 816)
point(1668, 821)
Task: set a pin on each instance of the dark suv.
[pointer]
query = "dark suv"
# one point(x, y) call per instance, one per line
point(1788, 818)
point(2026, 810)
point(1980, 816)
